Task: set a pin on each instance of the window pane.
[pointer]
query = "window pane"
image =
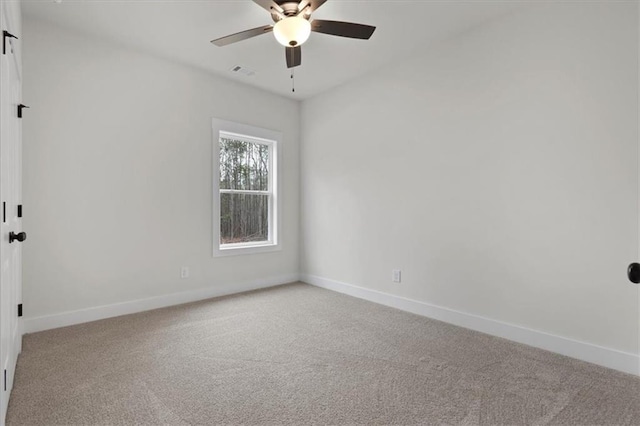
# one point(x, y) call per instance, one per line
point(244, 218)
point(243, 165)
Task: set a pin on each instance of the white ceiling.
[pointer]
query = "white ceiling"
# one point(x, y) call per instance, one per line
point(180, 30)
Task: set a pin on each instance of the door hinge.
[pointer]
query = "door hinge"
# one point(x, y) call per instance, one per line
point(19, 210)
point(6, 34)
point(20, 108)
point(5, 380)
point(4, 212)
point(19, 309)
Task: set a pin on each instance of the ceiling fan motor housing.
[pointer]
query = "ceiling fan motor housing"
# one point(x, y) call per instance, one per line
point(290, 8)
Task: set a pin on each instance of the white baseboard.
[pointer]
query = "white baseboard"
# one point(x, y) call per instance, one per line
point(64, 319)
point(606, 357)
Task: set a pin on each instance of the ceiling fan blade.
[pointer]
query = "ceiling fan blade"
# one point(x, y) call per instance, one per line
point(343, 29)
point(269, 5)
point(294, 56)
point(313, 5)
point(233, 38)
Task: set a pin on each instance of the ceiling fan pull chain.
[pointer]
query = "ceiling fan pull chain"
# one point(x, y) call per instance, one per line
point(293, 80)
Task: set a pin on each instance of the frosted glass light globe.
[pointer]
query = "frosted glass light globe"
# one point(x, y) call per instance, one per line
point(292, 31)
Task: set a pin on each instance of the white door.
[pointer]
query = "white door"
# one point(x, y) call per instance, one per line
point(10, 223)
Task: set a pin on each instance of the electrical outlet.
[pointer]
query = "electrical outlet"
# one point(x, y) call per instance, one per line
point(184, 272)
point(396, 275)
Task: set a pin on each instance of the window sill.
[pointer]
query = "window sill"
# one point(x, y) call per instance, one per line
point(237, 250)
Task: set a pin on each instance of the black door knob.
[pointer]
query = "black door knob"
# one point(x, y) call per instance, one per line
point(633, 272)
point(20, 236)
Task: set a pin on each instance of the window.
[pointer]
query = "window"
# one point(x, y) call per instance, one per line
point(245, 189)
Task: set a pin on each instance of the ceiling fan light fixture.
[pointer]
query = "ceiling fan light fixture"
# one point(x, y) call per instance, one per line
point(292, 31)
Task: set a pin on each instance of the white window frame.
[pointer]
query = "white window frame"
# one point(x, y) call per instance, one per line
point(250, 134)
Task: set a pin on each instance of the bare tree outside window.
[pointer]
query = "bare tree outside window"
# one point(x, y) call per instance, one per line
point(245, 194)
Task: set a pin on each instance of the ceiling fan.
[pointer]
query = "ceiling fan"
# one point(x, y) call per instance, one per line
point(292, 27)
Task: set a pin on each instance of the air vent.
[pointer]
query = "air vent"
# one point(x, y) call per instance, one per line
point(243, 71)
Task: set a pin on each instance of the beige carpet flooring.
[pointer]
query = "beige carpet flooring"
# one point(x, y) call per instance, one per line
point(301, 355)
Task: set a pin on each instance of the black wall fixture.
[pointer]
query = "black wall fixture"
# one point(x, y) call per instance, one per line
point(6, 34)
point(633, 273)
point(20, 108)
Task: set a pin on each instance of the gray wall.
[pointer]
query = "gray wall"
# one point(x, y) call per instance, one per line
point(118, 175)
point(498, 171)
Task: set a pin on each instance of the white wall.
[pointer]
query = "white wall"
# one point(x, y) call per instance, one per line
point(118, 175)
point(498, 171)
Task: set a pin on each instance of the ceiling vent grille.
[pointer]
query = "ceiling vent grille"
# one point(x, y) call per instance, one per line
point(243, 71)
